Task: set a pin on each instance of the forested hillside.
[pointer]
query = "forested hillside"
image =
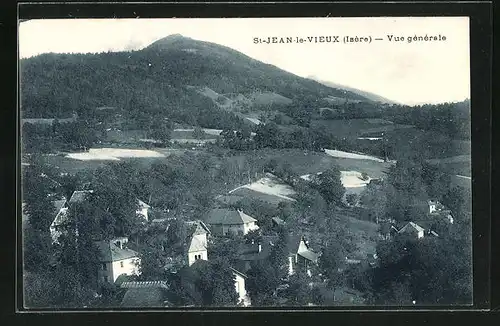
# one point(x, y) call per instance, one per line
point(55, 85)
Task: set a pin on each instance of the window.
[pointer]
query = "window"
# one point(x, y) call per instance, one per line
point(121, 264)
point(104, 267)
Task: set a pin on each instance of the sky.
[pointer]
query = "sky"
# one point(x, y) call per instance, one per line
point(409, 73)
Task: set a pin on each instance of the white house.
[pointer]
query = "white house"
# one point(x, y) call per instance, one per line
point(239, 284)
point(197, 246)
point(56, 227)
point(143, 209)
point(413, 229)
point(432, 206)
point(225, 221)
point(116, 259)
point(300, 256)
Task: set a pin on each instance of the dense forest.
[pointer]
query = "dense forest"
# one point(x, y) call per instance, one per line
point(56, 85)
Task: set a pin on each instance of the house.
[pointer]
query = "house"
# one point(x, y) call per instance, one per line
point(197, 241)
point(387, 230)
point(224, 221)
point(299, 253)
point(300, 256)
point(61, 208)
point(143, 209)
point(433, 206)
point(116, 259)
point(61, 211)
point(145, 294)
point(254, 251)
point(58, 224)
point(412, 228)
point(239, 284)
point(79, 196)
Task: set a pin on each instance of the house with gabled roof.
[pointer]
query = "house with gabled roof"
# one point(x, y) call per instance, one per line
point(62, 207)
point(413, 229)
point(79, 196)
point(224, 221)
point(116, 259)
point(300, 255)
point(197, 241)
point(58, 224)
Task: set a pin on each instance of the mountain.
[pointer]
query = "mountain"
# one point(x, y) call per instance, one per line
point(175, 75)
point(371, 96)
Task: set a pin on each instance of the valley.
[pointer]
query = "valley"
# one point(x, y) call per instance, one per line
point(187, 128)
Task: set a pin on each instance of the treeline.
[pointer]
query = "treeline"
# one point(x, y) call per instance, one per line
point(452, 119)
point(68, 136)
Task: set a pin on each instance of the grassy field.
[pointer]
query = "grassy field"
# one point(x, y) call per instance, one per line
point(72, 166)
point(306, 162)
point(355, 127)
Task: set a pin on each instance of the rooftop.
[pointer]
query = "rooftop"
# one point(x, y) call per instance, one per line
point(61, 217)
point(145, 297)
point(228, 217)
point(110, 252)
point(58, 204)
point(412, 225)
point(197, 227)
point(79, 196)
point(144, 284)
point(143, 204)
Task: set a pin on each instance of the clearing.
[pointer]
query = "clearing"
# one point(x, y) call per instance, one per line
point(268, 185)
point(342, 154)
point(113, 154)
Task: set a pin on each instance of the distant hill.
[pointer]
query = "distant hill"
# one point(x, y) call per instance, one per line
point(365, 94)
point(175, 75)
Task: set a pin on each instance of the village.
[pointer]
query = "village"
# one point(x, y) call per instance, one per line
point(189, 174)
point(119, 263)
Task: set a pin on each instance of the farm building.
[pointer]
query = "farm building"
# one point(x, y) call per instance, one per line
point(224, 221)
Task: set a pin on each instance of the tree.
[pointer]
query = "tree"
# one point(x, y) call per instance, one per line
point(329, 185)
point(352, 199)
point(261, 283)
point(152, 266)
point(199, 133)
point(268, 135)
point(224, 250)
point(278, 257)
point(299, 292)
point(332, 259)
point(40, 212)
point(429, 271)
point(215, 281)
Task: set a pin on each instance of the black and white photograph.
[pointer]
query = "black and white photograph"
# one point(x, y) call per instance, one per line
point(245, 162)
